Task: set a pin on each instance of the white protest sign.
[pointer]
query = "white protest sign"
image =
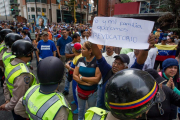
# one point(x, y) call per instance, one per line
point(121, 32)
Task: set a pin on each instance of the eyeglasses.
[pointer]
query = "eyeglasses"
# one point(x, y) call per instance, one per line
point(118, 64)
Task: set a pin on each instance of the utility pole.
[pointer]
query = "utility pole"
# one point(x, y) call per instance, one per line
point(51, 11)
point(5, 10)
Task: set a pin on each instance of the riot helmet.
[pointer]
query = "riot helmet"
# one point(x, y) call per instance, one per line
point(11, 38)
point(131, 92)
point(50, 73)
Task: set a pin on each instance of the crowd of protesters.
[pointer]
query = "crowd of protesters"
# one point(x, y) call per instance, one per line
point(89, 66)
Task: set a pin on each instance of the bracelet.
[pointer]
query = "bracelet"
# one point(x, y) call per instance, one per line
point(81, 77)
point(70, 68)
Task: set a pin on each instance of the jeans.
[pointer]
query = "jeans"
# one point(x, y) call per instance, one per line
point(82, 104)
point(74, 84)
point(99, 96)
point(66, 88)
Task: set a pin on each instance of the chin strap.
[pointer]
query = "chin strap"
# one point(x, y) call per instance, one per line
point(160, 108)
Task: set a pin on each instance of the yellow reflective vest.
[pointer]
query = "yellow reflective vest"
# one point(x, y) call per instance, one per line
point(41, 106)
point(12, 72)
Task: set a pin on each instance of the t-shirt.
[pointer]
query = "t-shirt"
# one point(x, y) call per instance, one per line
point(76, 58)
point(68, 50)
point(87, 69)
point(62, 43)
point(125, 50)
point(46, 49)
point(83, 40)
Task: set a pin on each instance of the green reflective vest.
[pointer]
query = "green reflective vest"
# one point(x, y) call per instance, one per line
point(2, 46)
point(95, 113)
point(12, 72)
point(6, 58)
point(41, 106)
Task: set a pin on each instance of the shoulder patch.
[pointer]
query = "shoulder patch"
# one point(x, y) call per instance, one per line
point(27, 79)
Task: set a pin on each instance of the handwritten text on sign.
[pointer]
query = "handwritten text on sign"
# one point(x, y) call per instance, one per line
point(121, 32)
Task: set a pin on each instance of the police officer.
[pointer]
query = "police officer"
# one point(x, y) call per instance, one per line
point(128, 95)
point(44, 102)
point(18, 78)
point(3, 33)
point(9, 40)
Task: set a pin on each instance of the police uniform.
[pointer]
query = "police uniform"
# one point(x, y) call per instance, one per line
point(62, 114)
point(7, 57)
point(21, 84)
point(43, 102)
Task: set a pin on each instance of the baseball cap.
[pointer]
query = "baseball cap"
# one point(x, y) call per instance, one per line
point(57, 36)
point(45, 33)
point(25, 28)
point(124, 58)
point(77, 46)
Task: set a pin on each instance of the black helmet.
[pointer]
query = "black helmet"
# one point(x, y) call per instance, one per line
point(11, 38)
point(50, 72)
point(132, 92)
point(4, 32)
point(21, 48)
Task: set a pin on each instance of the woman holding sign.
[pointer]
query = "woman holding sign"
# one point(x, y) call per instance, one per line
point(87, 75)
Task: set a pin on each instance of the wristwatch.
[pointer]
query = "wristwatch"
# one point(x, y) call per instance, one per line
point(81, 77)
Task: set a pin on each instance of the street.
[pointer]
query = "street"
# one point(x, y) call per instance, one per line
point(6, 115)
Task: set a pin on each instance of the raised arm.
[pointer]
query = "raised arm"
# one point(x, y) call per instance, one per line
point(141, 58)
point(96, 51)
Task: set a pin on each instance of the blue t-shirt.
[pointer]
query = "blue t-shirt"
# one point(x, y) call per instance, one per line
point(46, 49)
point(62, 43)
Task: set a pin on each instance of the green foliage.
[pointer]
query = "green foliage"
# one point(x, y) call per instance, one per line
point(126, 1)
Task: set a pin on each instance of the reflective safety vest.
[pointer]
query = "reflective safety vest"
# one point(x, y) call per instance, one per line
point(6, 58)
point(95, 113)
point(2, 46)
point(41, 106)
point(12, 72)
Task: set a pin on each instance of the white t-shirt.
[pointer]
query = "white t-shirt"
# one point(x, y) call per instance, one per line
point(152, 55)
point(132, 57)
point(109, 59)
point(83, 40)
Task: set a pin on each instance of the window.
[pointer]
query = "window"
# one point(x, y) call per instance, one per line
point(65, 3)
point(32, 9)
point(58, 1)
point(85, 7)
point(33, 16)
point(29, 16)
point(28, 9)
point(43, 9)
point(42, 1)
point(39, 9)
point(79, 6)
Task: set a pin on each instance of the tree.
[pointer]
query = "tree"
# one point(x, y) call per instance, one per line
point(126, 1)
point(171, 18)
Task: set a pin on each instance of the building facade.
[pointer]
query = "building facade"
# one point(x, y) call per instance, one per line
point(5, 8)
point(50, 9)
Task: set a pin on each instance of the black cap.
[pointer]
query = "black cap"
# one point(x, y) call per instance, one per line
point(124, 58)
